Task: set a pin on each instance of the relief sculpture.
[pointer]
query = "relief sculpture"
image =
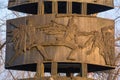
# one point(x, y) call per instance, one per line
point(60, 39)
point(104, 40)
point(26, 37)
point(108, 41)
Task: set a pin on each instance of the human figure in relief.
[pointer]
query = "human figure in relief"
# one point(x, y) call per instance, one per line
point(24, 39)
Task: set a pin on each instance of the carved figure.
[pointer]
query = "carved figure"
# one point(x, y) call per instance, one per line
point(24, 38)
point(18, 40)
point(68, 31)
point(86, 44)
point(71, 30)
point(101, 40)
point(32, 42)
point(108, 40)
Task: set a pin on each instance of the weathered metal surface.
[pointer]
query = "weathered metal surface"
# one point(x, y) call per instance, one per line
point(31, 6)
point(49, 38)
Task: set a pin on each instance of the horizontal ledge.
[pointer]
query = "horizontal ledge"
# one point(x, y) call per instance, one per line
point(31, 7)
point(62, 67)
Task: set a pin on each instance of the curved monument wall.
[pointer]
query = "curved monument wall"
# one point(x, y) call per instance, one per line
point(45, 38)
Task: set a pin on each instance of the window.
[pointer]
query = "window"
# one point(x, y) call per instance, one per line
point(48, 7)
point(76, 8)
point(62, 7)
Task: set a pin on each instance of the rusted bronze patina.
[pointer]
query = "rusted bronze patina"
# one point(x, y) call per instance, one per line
point(63, 36)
